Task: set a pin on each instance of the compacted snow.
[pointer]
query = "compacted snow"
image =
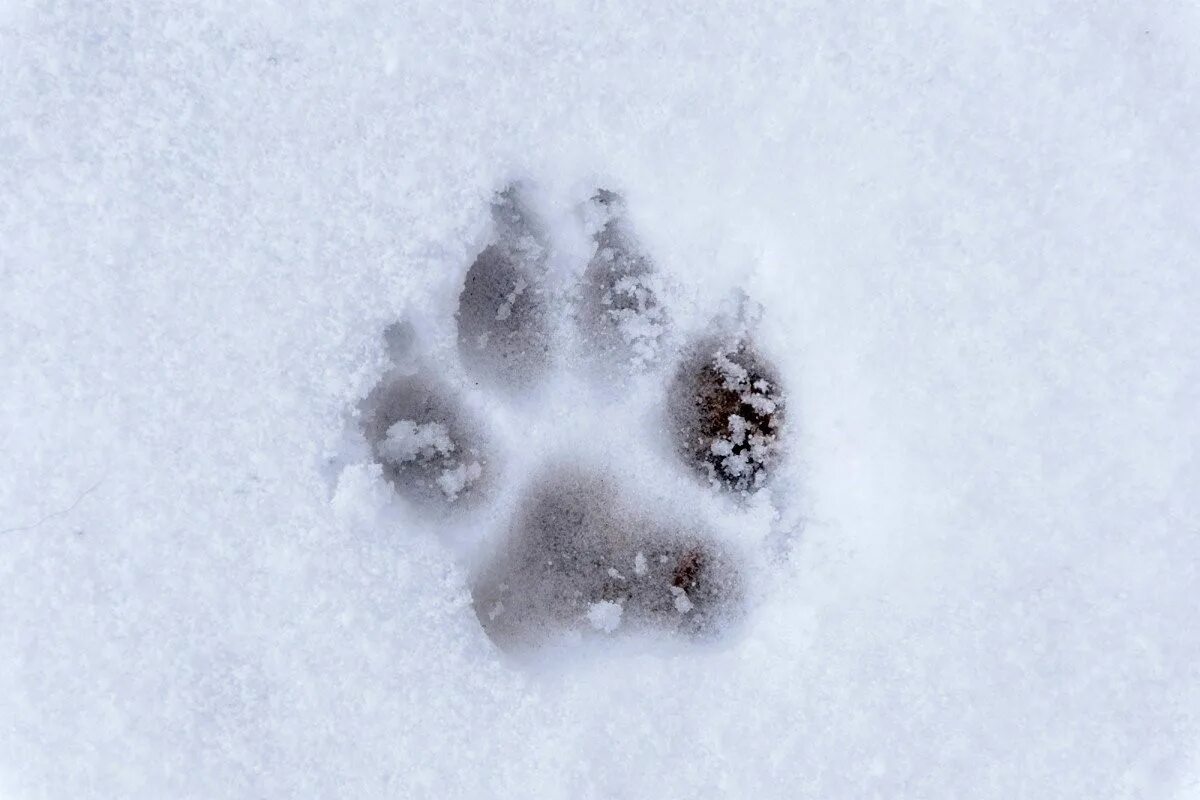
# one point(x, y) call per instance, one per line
point(323, 327)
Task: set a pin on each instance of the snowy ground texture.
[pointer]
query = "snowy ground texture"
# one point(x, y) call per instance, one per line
point(972, 232)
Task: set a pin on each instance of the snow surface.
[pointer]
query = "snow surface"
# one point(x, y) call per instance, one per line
point(972, 228)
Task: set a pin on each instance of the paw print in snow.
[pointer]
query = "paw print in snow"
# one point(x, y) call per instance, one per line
point(573, 546)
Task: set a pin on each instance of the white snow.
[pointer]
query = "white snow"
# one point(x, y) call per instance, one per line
point(505, 310)
point(683, 603)
point(454, 480)
point(642, 326)
point(604, 615)
point(430, 443)
point(736, 376)
point(408, 441)
point(972, 227)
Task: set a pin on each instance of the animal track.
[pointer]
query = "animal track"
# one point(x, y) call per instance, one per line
point(620, 306)
point(585, 555)
point(502, 315)
point(578, 555)
point(419, 435)
point(727, 404)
